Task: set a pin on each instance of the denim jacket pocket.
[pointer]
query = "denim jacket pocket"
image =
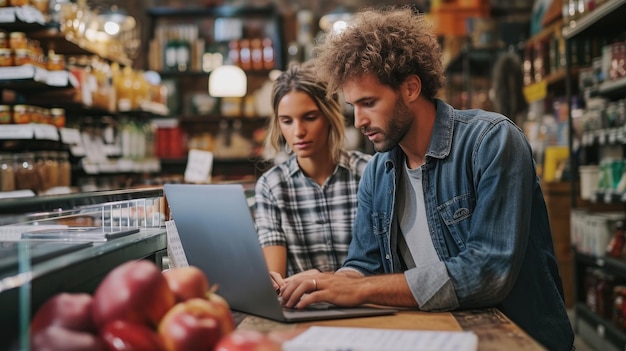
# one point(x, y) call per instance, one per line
point(456, 213)
point(380, 223)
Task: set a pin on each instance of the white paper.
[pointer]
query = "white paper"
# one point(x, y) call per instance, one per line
point(46, 132)
point(199, 165)
point(175, 249)
point(70, 136)
point(372, 339)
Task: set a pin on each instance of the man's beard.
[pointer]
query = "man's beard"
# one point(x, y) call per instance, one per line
point(396, 129)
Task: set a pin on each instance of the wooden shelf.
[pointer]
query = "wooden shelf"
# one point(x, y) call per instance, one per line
point(608, 16)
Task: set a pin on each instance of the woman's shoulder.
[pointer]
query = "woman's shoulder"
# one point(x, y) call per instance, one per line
point(276, 173)
point(354, 160)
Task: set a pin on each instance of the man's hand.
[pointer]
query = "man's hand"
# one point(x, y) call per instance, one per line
point(347, 288)
point(305, 289)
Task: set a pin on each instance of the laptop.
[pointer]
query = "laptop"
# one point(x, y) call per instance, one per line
point(218, 235)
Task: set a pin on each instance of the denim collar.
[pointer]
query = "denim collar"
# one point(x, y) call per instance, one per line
point(440, 139)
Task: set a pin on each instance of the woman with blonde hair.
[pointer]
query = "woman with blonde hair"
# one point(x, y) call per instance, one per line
point(305, 206)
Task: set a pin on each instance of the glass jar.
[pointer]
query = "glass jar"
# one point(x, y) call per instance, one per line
point(26, 177)
point(57, 117)
point(65, 169)
point(4, 40)
point(56, 62)
point(21, 114)
point(18, 40)
point(51, 166)
point(7, 176)
point(5, 114)
point(6, 57)
point(21, 57)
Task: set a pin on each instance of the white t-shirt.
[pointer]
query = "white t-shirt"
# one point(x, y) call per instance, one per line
point(411, 214)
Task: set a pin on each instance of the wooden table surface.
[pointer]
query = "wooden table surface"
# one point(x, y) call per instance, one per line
point(494, 330)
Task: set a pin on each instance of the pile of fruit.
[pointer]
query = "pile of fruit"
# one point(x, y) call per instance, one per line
point(137, 307)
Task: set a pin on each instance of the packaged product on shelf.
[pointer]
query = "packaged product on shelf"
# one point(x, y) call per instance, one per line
point(18, 40)
point(6, 57)
point(619, 307)
point(26, 177)
point(55, 62)
point(65, 169)
point(21, 57)
point(7, 175)
point(5, 114)
point(21, 114)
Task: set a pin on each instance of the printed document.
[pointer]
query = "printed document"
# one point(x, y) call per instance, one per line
point(370, 339)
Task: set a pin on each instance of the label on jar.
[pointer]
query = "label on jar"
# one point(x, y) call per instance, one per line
point(5, 115)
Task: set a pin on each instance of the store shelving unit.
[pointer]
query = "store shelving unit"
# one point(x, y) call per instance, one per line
point(600, 332)
point(255, 22)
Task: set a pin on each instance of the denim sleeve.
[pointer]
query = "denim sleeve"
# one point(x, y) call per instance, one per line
point(431, 287)
point(364, 253)
point(496, 237)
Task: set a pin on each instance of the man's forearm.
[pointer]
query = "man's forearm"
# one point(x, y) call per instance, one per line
point(387, 289)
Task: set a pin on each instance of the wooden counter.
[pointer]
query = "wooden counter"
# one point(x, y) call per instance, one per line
point(495, 331)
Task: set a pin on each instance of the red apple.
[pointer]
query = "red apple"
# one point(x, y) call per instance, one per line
point(68, 310)
point(58, 338)
point(247, 340)
point(187, 282)
point(135, 291)
point(220, 308)
point(128, 336)
point(190, 325)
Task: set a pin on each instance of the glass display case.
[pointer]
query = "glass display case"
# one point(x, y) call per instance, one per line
point(68, 243)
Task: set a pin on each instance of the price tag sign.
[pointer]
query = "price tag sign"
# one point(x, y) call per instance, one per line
point(70, 136)
point(16, 131)
point(77, 150)
point(58, 78)
point(601, 137)
point(613, 136)
point(46, 132)
point(94, 147)
point(17, 72)
point(7, 15)
point(199, 166)
point(175, 249)
point(89, 167)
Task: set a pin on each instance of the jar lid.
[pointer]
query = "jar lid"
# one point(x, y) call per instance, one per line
point(5, 108)
point(57, 111)
point(17, 35)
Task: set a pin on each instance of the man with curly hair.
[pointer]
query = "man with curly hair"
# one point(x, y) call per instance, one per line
point(450, 210)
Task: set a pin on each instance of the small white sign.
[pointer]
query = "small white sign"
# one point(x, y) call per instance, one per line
point(7, 15)
point(70, 136)
point(16, 131)
point(46, 132)
point(175, 249)
point(199, 166)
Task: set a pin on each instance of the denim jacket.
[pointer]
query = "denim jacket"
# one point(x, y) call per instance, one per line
point(487, 219)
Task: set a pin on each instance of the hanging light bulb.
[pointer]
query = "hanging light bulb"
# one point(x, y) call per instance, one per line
point(228, 81)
